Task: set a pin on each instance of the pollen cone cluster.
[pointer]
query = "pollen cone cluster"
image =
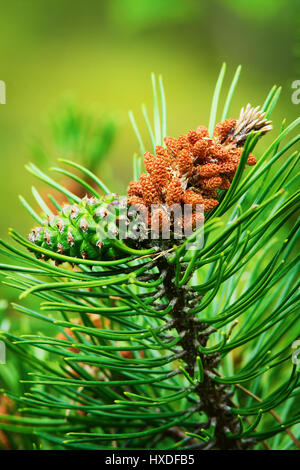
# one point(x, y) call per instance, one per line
point(193, 168)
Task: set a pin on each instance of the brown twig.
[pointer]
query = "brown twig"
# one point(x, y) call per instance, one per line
point(272, 412)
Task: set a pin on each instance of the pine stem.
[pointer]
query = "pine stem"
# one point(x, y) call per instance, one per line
point(214, 399)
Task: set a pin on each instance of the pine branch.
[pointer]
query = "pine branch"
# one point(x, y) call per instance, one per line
point(147, 340)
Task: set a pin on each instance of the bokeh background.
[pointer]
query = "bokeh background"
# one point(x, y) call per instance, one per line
point(100, 54)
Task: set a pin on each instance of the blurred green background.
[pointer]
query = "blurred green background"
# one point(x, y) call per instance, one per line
point(101, 54)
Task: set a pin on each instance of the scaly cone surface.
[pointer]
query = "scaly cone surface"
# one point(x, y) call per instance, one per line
point(82, 230)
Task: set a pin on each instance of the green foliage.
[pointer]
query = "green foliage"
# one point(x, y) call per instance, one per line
point(256, 10)
point(81, 136)
point(170, 348)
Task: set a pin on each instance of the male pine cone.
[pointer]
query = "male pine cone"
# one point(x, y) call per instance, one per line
point(193, 168)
